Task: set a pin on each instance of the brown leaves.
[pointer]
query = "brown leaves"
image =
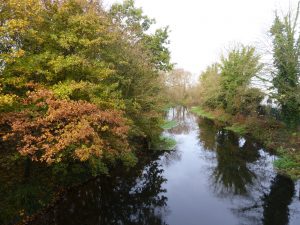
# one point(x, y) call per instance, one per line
point(52, 130)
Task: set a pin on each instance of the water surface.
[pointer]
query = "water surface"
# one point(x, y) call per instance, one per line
point(213, 178)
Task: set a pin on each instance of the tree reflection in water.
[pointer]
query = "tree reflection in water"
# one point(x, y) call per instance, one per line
point(171, 157)
point(270, 207)
point(276, 202)
point(133, 199)
point(182, 116)
point(240, 173)
point(208, 134)
point(231, 174)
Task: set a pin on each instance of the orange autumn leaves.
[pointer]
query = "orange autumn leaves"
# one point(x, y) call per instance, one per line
point(51, 129)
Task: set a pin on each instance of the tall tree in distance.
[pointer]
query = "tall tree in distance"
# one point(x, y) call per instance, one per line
point(209, 86)
point(286, 53)
point(178, 81)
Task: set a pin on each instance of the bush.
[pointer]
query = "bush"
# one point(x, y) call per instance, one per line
point(246, 101)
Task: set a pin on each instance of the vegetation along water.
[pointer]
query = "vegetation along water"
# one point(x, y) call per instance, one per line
point(99, 126)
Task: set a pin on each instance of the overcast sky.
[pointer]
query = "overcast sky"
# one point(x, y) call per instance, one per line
point(201, 29)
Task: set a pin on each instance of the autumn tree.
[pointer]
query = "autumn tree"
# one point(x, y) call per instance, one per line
point(95, 70)
point(52, 130)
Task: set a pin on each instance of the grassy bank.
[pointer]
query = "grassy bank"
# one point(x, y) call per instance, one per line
point(169, 125)
point(165, 143)
point(273, 134)
point(202, 113)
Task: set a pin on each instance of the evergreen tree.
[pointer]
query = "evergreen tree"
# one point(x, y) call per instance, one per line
point(286, 52)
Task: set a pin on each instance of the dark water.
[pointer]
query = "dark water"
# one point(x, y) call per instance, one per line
point(213, 178)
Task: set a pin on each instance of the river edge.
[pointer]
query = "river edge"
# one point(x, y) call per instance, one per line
point(60, 193)
point(27, 195)
point(186, 181)
point(270, 133)
point(46, 212)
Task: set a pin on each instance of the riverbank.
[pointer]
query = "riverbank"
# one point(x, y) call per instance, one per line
point(271, 133)
point(210, 168)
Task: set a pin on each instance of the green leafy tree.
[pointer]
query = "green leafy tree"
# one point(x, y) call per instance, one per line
point(210, 88)
point(139, 65)
point(237, 70)
point(137, 25)
point(286, 52)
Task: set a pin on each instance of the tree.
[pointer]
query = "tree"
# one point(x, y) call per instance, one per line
point(141, 58)
point(210, 89)
point(79, 57)
point(54, 42)
point(286, 52)
point(136, 25)
point(237, 70)
point(52, 130)
point(178, 81)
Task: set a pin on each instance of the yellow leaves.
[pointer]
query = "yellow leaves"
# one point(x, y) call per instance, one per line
point(25, 7)
point(82, 154)
point(24, 11)
point(66, 40)
point(35, 35)
point(104, 128)
point(18, 53)
point(15, 25)
point(17, 19)
point(64, 90)
point(12, 56)
point(60, 63)
point(105, 72)
point(7, 99)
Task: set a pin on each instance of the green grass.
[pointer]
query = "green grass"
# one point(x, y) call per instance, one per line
point(287, 165)
point(237, 128)
point(169, 124)
point(200, 112)
point(286, 162)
